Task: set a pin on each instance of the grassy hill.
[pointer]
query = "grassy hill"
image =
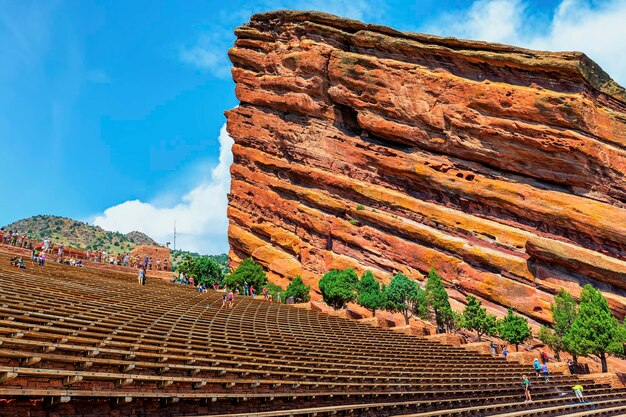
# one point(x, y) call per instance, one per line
point(78, 234)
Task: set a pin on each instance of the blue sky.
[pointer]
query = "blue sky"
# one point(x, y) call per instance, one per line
point(112, 112)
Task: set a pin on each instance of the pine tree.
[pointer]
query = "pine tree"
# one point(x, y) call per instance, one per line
point(475, 318)
point(595, 331)
point(339, 287)
point(438, 299)
point(405, 296)
point(514, 329)
point(564, 312)
point(370, 295)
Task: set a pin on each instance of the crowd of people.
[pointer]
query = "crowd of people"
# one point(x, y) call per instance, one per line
point(126, 259)
point(42, 248)
point(14, 238)
point(248, 290)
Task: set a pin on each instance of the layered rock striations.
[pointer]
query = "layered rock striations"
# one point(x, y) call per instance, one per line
point(358, 145)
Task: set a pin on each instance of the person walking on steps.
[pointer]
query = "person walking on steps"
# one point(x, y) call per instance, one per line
point(526, 385)
point(578, 391)
point(140, 276)
point(231, 299)
point(504, 352)
point(544, 370)
point(493, 348)
point(537, 367)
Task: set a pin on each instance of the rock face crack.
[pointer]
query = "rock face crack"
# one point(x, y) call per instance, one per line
point(360, 146)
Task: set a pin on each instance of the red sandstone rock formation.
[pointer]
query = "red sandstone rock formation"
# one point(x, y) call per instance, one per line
point(357, 145)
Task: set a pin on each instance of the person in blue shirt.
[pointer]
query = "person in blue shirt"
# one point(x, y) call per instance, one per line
point(537, 367)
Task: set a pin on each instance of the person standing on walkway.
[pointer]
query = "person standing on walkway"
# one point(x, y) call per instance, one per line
point(526, 385)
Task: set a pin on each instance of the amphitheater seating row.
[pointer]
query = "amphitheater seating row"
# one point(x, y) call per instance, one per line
point(74, 339)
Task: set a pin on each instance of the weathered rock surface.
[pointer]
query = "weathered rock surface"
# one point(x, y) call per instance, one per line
point(357, 145)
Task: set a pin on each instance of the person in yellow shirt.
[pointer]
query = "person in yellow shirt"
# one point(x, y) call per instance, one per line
point(578, 390)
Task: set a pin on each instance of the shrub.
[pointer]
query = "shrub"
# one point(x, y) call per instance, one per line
point(247, 271)
point(360, 207)
point(475, 318)
point(438, 300)
point(274, 290)
point(369, 292)
point(298, 290)
point(405, 296)
point(338, 287)
point(514, 329)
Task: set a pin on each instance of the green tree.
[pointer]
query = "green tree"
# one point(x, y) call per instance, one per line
point(247, 271)
point(438, 300)
point(339, 287)
point(185, 265)
point(564, 312)
point(206, 271)
point(274, 290)
point(202, 269)
point(475, 318)
point(369, 292)
point(454, 321)
point(297, 290)
point(406, 297)
point(514, 329)
point(595, 331)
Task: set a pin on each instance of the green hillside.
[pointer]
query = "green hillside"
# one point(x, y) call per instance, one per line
point(79, 235)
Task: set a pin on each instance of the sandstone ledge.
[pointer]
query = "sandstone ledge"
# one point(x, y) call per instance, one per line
point(360, 146)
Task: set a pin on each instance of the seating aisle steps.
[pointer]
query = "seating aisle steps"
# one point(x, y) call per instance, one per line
point(87, 342)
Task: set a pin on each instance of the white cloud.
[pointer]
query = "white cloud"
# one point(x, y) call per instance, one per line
point(486, 20)
point(200, 216)
point(597, 29)
point(210, 53)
